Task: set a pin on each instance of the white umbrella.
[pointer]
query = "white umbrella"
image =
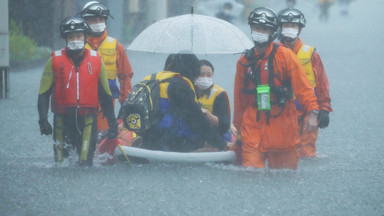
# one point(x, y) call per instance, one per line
point(191, 33)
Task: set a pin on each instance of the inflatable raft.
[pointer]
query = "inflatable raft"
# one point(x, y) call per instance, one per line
point(162, 156)
point(121, 148)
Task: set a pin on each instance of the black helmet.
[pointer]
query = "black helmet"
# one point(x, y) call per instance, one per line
point(73, 24)
point(263, 16)
point(95, 8)
point(291, 15)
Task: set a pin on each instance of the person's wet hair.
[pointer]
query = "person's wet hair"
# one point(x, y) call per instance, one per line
point(184, 63)
point(203, 62)
point(169, 61)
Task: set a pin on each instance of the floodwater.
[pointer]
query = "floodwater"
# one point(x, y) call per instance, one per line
point(346, 177)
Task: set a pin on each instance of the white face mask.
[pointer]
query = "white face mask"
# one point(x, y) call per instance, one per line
point(98, 27)
point(259, 37)
point(204, 82)
point(75, 45)
point(290, 32)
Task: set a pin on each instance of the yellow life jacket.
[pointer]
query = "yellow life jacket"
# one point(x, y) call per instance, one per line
point(305, 56)
point(164, 85)
point(108, 52)
point(207, 101)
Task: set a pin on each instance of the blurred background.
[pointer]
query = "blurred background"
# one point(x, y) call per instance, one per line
point(33, 25)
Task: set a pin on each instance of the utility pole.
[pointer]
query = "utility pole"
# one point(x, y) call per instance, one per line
point(4, 50)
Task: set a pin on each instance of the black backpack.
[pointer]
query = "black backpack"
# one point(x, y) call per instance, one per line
point(141, 110)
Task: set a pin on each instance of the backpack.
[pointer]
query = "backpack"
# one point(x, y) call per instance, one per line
point(141, 110)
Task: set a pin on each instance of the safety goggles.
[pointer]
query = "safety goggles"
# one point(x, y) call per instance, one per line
point(72, 27)
point(291, 15)
point(264, 15)
point(96, 10)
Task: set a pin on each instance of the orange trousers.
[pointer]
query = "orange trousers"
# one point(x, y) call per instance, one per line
point(307, 145)
point(102, 123)
point(253, 157)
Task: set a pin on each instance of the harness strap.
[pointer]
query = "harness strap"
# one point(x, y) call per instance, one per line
point(153, 76)
point(255, 77)
point(271, 77)
point(271, 74)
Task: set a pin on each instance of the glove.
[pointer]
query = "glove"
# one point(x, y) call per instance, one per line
point(112, 132)
point(323, 119)
point(45, 127)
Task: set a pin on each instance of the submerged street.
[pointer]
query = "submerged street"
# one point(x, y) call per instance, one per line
point(345, 178)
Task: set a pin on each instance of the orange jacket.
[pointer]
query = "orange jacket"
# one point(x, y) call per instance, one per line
point(124, 69)
point(322, 84)
point(281, 133)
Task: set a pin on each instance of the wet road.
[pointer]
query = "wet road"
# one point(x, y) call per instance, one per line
point(346, 178)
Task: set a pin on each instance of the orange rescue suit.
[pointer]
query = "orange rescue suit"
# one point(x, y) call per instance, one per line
point(281, 133)
point(75, 87)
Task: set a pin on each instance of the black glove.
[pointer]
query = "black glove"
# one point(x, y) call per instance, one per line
point(45, 127)
point(112, 132)
point(323, 119)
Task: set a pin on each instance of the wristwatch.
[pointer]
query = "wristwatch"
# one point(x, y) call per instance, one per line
point(316, 112)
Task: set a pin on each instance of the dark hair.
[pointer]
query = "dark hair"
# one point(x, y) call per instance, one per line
point(185, 64)
point(203, 62)
point(169, 61)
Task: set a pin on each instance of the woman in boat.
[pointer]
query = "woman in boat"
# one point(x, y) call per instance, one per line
point(214, 100)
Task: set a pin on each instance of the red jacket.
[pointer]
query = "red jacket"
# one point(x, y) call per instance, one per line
point(75, 87)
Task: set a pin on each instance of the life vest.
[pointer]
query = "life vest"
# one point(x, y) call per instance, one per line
point(75, 87)
point(305, 57)
point(261, 74)
point(108, 52)
point(170, 116)
point(207, 101)
point(164, 85)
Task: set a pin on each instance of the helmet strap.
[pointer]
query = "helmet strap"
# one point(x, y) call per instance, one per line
point(74, 54)
point(288, 39)
point(97, 34)
point(261, 45)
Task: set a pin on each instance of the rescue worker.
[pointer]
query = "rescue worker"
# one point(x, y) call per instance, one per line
point(264, 111)
point(183, 126)
point(112, 52)
point(292, 21)
point(324, 9)
point(214, 100)
point(344, 5)
point(76, 79)
point(225, 12)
